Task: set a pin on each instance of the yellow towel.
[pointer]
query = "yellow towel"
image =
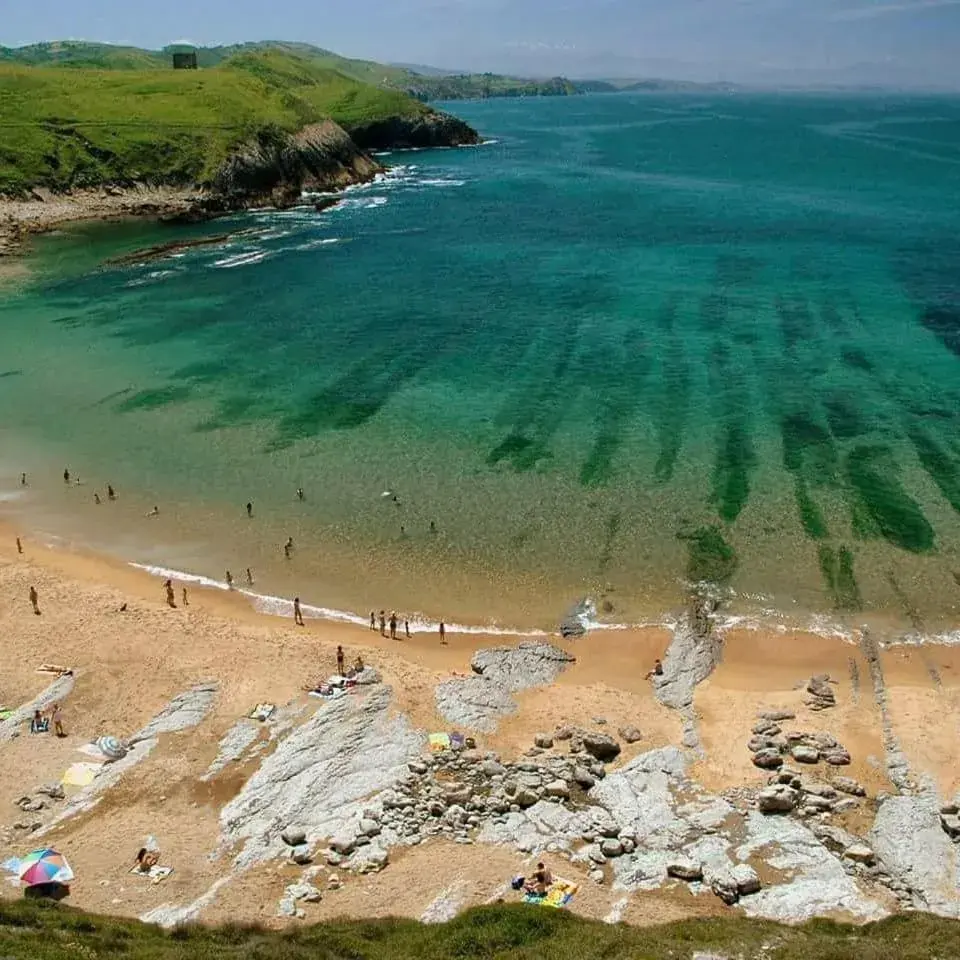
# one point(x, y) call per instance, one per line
point(80, 774)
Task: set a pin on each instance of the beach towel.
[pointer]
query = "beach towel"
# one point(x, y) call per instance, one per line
point(262, 711)
point(558, 895)
point(6, 714)
point(155, 874)
point(439, 741)
point(327, 692)
point(457, 741)
point(80, 774)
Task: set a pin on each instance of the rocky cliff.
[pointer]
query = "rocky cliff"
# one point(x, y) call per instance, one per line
point(432, 129)
point(275, 166)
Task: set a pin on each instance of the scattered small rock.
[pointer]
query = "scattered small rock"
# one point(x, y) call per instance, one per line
point(685, 870)
point(611, 848)
point(805, 754)
point(301, 854)
point(600, 745)
point(777, 798)
point(293, 837)
point(859, 853)
point(630, 734)
point(768, 759)
point(543, 740)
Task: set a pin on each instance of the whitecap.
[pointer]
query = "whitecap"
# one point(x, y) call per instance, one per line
point(242, 259)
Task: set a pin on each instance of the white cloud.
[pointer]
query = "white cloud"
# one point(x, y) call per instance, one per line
point(888, 9)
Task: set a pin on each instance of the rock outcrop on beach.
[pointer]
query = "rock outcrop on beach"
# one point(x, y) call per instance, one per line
point(431, 129)
point(478, 702)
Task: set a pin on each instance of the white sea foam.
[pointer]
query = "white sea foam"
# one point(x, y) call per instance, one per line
point(242, 259)
point(282, 607)
point(321, 242)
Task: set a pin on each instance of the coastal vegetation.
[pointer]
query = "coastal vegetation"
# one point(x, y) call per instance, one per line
point(44, 931)
point(427, 85)
point(72, 128)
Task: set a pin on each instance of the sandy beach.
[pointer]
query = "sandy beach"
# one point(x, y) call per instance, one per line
point(131, 655)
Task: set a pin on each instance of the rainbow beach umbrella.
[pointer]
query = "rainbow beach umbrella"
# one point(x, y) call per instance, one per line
point(44, 866)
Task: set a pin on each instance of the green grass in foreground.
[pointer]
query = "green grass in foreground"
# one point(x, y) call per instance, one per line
point(64, 128)
point(41, 931)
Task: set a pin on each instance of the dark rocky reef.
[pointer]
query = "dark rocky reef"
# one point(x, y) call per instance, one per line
point(431, 129)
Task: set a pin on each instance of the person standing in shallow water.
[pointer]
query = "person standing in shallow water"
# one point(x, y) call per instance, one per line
point(23, 479)
point(340, 661)
point(393, 625)
point(249, 576)
point(406, 628)
point(111, 493)
point(299, 493)
point(249, 509)
point(168, 586)
point(373, 616)
point(297, 612)
point(66, 475)
point(443, 633)
point(229, 580)
point(186, 602)
point(383, 624)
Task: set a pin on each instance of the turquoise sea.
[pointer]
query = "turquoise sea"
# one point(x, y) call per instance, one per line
point(633, 343)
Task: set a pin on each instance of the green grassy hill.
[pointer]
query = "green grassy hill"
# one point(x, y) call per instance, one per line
point(64, 128)
point(423, 86)
point(44, 931)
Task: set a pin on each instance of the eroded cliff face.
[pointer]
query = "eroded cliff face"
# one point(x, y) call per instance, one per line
point(432, 129)
point(275, 167)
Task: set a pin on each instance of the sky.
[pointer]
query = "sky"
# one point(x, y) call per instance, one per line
point(903, 43)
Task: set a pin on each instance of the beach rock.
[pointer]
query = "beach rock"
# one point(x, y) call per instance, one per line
point(287, 907)
point(630, 734)
point(849, 786)
point(838, 758)
point(685, 870)
point(572, 625)
point(558, 788)
point(724, 885)
point(778, 798)
point(776, 716)
point(746, 879)
point(804, 754)
point(768, 759)
point(418, 767)
point(908, 838)
point(765, 728)
point(30, 805)
point(859, 853)
point(821, 690)
point(184, 711)
point(301, 854)
point(583, 777)
point(951, 825)
point(52, 790)
point(600, 745)
point(369, 859)
point(369, 828)
point(611, 848)
point(564, 732)
point(757, 743)
point(305, 892)
point(531, 664)
point(322, 775)
point(525, 797)
point(366, 677)
point(597, 876)
point(834, 838)
point(543, 740)
point(595, 853)
point(294, 837)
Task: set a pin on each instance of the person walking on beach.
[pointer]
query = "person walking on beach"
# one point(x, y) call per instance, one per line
point(19, 546)
point(383, 624)
point(249, 577)
point(186, 602)
point(297, 612)
point(340, 661)
point(406, 628)
point(168, 586)
point(393, 624)
point(35, 600)
point(249, 509)
point(111, 493)
point(58, 721)
point(373, 616)
point(66, 475)
point(443, 633)
point(229, 580)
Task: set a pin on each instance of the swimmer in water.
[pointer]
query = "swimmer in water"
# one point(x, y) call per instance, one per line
point(155, 512)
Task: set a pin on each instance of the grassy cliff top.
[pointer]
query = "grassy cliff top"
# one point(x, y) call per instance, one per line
point(434, 85)
point(43, 931)
point(75, 127)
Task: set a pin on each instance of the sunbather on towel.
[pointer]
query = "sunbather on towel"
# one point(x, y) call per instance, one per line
point(39, 723)
point(540, 882)
point(147, 859)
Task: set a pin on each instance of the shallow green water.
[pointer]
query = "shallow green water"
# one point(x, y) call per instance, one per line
point(635, 342)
